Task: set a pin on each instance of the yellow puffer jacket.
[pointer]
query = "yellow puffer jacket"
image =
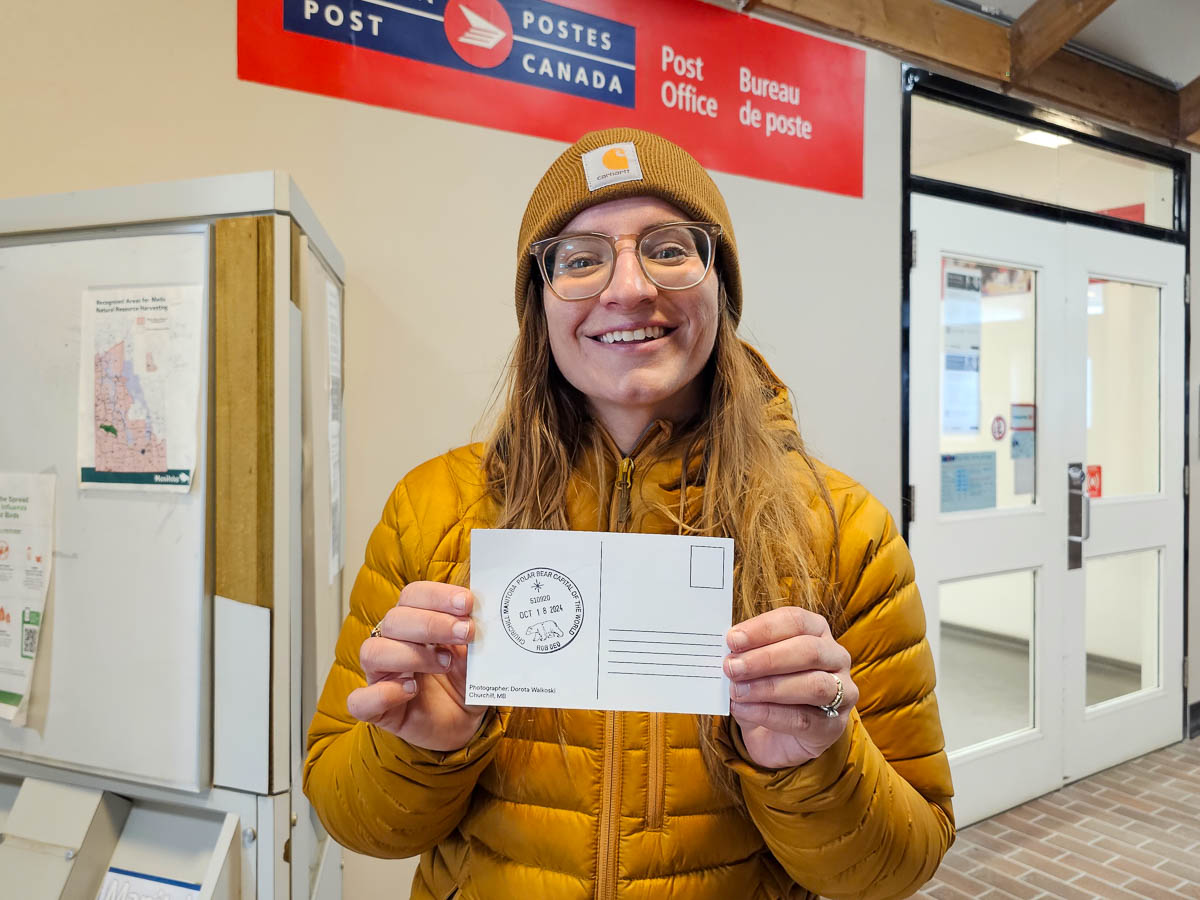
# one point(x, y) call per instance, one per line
point(620, 805)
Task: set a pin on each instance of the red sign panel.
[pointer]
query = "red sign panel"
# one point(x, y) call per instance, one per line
point(744, 96)
point(1095, 482)
point(1134, 213)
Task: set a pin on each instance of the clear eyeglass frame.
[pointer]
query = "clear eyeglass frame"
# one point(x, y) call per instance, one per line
point(539, 249)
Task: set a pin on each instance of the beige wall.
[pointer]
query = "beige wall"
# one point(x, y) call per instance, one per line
point(96, 95)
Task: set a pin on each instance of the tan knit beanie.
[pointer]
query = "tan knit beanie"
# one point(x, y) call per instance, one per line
point(625, 162)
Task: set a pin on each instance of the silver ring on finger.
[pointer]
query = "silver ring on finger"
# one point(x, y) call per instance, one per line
point(831, 709)
point(377, 632)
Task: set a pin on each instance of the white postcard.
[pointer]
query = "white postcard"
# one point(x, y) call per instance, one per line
point(600, 620)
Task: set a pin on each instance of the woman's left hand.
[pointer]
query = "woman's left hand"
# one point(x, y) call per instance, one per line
point(782, 671)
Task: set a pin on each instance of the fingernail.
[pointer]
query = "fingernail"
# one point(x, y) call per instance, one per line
point(443, 658)
point(737, 668)
point(409, 685)
point(740, 690)
point(461, 629)
point(459, 602)
point(737, 640)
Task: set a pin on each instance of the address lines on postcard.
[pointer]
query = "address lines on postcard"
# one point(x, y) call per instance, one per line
point(665, 654)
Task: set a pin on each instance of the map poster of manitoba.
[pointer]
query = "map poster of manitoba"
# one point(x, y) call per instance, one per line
point(139, 387)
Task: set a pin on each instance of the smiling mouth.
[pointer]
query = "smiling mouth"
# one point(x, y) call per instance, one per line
point(636, 336)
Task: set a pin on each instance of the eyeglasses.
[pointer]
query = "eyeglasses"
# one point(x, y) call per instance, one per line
point(674, 257)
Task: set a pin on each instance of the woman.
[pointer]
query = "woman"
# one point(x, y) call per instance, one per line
point(633, 406)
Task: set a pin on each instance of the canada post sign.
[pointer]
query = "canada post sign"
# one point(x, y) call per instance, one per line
point(534, 43)
point(745, 96)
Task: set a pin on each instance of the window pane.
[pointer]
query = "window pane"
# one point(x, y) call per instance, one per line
point(971, 148)
point(985, 684)
point(1122, 389)
point(1121, 624)
point(988, 383)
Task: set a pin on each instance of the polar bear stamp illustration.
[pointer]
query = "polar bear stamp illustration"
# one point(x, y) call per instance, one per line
point(544, 631)
point(542, 610)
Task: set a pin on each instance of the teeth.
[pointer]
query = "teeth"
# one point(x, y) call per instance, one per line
point(651, 332)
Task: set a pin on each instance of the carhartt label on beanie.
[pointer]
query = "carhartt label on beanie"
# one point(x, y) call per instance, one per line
point(612, 164)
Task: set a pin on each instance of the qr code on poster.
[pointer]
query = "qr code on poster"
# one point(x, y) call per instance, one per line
point(29, 638)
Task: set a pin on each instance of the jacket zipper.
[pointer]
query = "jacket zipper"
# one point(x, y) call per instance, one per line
point(624, 484)
point(655, 787)
point(610, 801)
point(610, 808)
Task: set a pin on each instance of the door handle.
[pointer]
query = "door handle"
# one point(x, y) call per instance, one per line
point(1087, 513)
point(1079, 514)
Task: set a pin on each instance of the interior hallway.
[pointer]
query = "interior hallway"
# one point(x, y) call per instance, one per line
point(1131, 831)
point(983, 685)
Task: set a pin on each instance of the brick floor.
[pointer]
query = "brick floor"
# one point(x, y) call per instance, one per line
point(1130, 832)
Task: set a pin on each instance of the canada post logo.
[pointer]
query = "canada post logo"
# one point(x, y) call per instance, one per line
point(525, 41)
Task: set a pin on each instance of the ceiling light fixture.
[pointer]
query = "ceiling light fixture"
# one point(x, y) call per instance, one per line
point(1044, 139)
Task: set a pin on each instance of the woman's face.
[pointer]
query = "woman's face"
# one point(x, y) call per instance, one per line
point(652, 377)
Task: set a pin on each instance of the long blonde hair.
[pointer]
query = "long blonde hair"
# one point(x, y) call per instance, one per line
point(753, 491)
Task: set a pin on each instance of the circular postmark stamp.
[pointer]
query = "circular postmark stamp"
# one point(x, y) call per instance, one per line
point(542, 610)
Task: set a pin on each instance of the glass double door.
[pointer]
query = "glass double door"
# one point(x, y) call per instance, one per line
point(1046, 431)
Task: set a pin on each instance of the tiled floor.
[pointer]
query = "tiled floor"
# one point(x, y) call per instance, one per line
point(1133, 831)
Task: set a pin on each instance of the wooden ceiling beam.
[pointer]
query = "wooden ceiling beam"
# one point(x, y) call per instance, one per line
point(1044, 29)
point(1189, 112)
point(1069, 81)
point(946, 38)
point(919, 30)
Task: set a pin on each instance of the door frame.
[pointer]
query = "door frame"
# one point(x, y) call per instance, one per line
point(924, 83)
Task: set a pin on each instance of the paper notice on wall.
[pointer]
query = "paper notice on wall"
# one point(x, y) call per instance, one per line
point(1024, 447)
point(139, 387)
point(962, 321)
point(333, 309)
point(1023, 416)
point(26, 559)
point(968, 481)
point(1023, 457)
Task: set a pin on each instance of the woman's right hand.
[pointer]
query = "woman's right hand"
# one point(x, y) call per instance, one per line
point(417, 669)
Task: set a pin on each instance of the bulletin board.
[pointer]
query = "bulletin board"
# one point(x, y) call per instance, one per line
point(122, 681)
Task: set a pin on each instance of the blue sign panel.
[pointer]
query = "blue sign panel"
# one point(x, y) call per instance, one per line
point(524, 41)
point(968, 481)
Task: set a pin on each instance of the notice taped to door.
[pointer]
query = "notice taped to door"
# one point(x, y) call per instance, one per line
point(968, 481)
point(1024, 447)
point(962, 323)
point(26, 560)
